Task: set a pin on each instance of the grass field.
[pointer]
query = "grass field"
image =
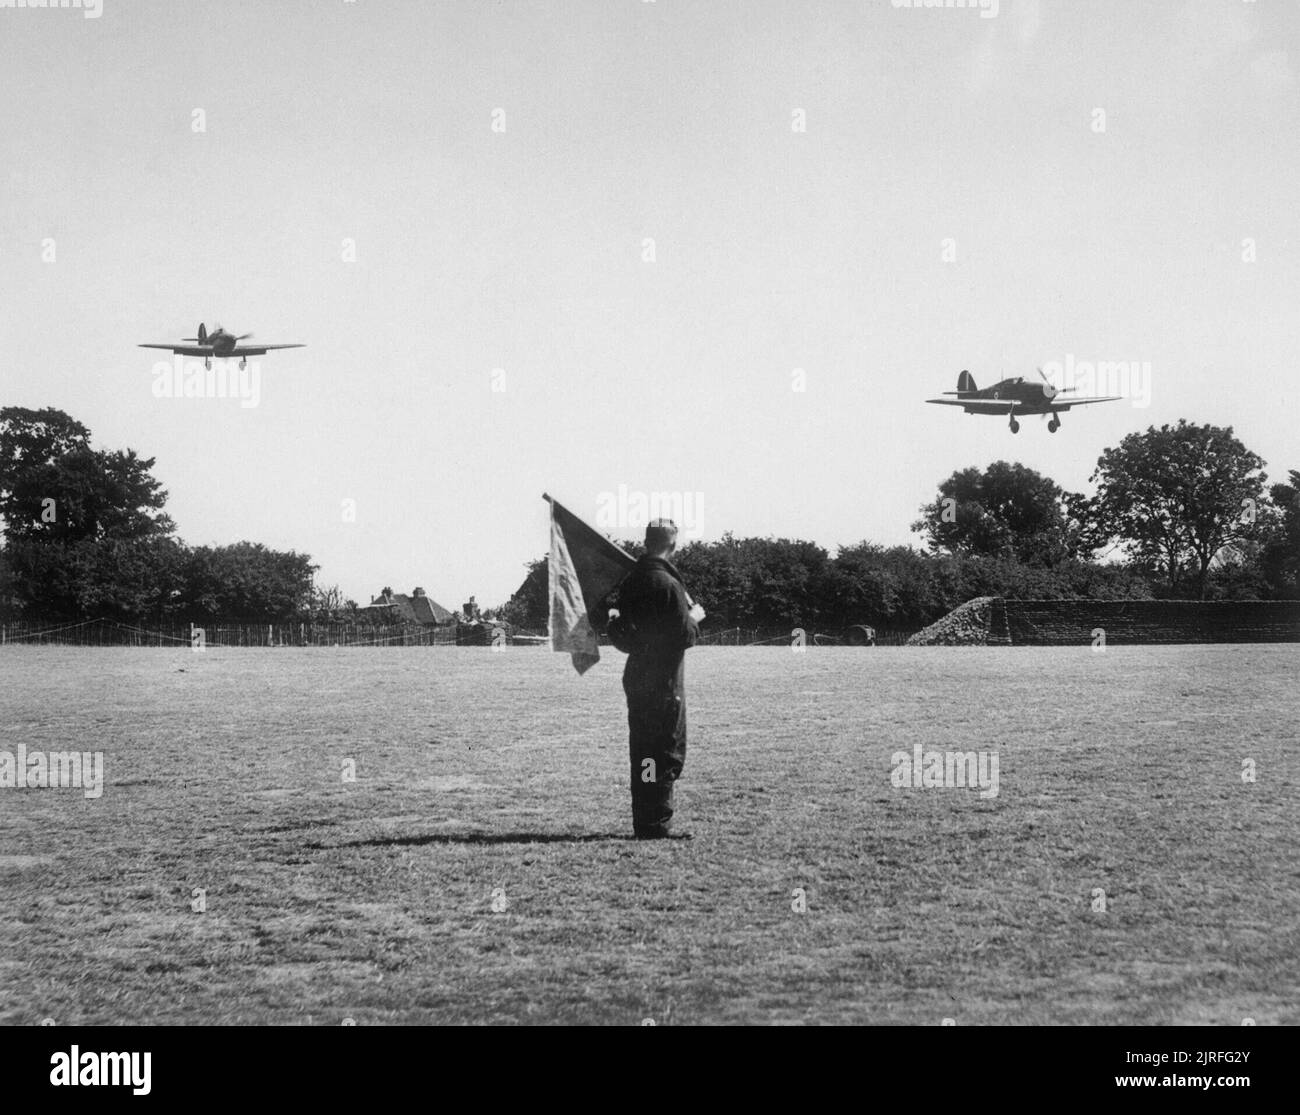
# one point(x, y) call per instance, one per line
point(482, 773)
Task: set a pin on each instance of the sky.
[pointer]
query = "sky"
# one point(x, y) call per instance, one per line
point(717, 249)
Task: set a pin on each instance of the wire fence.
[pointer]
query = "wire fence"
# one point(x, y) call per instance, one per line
point(788, 636)
point(220, 633)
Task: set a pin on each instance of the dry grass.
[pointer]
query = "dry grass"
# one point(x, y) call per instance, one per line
point(481, 771)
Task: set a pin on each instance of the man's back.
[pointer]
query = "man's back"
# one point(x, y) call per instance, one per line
point(653, 603)
point(655, 627)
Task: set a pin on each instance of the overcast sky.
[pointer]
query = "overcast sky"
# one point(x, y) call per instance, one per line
point(877, 196)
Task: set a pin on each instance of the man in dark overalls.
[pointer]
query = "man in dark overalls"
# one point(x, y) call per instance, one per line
point(660, 622)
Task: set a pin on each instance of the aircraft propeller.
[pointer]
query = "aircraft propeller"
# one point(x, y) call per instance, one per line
point(1048, 389)
point(1053, 391)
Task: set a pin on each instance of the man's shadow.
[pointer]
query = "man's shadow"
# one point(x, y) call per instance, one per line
point(489, 838)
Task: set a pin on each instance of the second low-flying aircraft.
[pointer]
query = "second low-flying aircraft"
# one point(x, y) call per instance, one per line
point(220, 344)
point(1014, 397)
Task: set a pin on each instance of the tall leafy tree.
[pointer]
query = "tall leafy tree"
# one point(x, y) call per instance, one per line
point(1177, 496)
point(29, 437)
point(54, 486)
point(1005, 510)
point(32, 444)
point(1280, 557)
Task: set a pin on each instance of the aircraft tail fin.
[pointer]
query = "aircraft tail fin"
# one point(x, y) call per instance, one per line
point(203, 334)
point(965, 381)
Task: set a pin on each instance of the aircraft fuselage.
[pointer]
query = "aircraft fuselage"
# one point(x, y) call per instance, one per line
point(223, 343)
point(1029, 397)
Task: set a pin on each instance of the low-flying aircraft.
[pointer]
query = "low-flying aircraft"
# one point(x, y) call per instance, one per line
point(1013, 397)
point(220, 344)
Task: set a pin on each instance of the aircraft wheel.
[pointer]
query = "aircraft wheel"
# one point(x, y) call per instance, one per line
point(1015, 426)
point(1053, 426)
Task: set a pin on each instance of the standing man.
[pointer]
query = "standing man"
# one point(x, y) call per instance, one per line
point(656, 622)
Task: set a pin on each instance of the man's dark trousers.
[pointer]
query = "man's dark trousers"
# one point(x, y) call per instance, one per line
point(655, 612)
point(656, 718)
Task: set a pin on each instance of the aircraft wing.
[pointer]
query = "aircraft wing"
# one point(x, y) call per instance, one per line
point(259, 350)
point(184, 350)
point(982, 406)
point(1085, 402)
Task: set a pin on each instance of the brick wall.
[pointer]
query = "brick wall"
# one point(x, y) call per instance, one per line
point(1072, 622)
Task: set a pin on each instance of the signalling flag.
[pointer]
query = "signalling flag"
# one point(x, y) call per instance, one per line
point(584, 568)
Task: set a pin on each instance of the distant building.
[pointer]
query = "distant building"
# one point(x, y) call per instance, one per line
point(396, 607)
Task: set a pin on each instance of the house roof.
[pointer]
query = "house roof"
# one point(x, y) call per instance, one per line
point(428, 610)
point(418, 608)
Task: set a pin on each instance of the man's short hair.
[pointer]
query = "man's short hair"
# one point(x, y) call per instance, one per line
point(659, 533)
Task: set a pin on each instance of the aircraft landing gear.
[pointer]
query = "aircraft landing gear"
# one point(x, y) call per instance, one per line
point(243, 363)
point(1054, 425)
point(1015, 426)
point(207, 363)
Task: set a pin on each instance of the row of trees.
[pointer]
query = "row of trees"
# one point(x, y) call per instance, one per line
point(779, 582)
point(1187, 508)
point(1179, 511)
point(85, 535)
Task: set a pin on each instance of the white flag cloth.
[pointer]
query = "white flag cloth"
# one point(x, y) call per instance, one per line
point(584, 567)
point(571, 630)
